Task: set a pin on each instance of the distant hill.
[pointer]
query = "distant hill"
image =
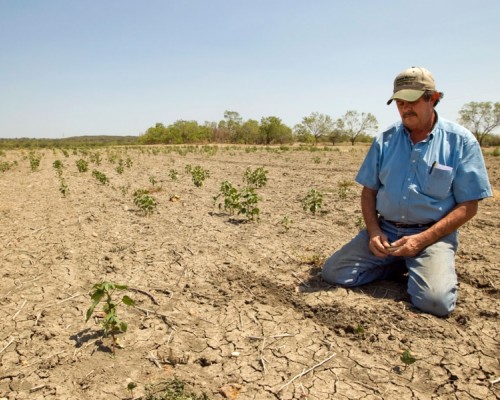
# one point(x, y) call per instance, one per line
point(74, 141)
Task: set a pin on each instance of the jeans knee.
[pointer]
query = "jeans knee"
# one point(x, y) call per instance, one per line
point(439, 304)
point(333, 275)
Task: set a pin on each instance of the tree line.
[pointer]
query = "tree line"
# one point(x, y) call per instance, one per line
point(353, 126)
point(481, 118)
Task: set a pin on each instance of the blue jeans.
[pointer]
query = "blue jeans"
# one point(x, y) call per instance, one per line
point(432, 280)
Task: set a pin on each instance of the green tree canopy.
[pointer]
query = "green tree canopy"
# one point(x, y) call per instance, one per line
point(356, 124)
point(481, 118)
point(272, 130)
point(154, 135)
point(316, 125)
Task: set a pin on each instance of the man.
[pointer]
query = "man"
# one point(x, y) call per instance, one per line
point(422, 179)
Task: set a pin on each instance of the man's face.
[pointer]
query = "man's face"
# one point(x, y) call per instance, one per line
point(416, 115)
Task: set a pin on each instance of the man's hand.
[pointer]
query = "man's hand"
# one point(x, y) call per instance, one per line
point(379, 244)
point(407, 246)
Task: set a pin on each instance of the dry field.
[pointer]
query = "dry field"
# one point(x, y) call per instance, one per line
point(231, 309)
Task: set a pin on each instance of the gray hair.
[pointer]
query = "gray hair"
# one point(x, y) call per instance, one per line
point(427, 96)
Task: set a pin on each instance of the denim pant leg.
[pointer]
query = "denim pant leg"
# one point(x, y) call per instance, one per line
point(432, 280)
point(354, 264)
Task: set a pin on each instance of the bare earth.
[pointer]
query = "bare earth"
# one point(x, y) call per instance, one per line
point(235, 310)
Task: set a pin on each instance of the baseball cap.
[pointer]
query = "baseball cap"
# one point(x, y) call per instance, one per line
point(411, 84)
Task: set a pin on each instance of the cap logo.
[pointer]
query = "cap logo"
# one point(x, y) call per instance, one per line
point(406, 80)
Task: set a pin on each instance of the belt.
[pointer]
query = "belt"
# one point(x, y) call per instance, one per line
point(403, 225)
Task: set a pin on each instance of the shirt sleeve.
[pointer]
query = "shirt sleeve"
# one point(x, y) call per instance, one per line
point(368, 173)
point(471, 179)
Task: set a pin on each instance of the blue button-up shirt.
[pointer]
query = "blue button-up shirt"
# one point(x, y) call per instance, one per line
point(420, 183)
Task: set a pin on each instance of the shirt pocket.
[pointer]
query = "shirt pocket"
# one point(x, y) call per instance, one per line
point(438, 183)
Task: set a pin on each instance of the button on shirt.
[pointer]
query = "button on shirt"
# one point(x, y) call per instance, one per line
point(421, 183)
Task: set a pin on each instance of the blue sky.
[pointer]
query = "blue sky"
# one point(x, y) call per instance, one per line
point(116, 67)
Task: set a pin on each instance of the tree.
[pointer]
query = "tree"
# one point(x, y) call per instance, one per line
point(356, 124)
point(481, 118)
point(154, 135)
point(272, 130)
point(248, 132)
point(229, 126)
point(317, 125)
point(336, 133)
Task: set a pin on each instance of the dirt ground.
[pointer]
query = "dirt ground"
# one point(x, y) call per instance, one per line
point(234, 310)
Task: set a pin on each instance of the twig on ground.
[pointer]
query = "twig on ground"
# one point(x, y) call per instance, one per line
point(35, 388)
point(162, 316)
point(154, 360)
point(7, 345)
point(62, 301)
point(86, 376)
point(145, 293)
point(263, 363)
point(261, 353)
point(164, 291)
point(18, 311)
point(300, 280)
point(38, 318)
point(305, 372)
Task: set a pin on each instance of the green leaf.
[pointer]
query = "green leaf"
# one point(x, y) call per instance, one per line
point(407, 358)
point(123, 326)
point(108, 286)
point(97, 295)
point(90, 311)
point(128, 301)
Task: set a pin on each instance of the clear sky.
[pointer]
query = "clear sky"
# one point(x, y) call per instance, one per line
point(116, 67)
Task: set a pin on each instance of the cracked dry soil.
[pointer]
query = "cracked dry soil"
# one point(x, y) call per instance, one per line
point(235, 310)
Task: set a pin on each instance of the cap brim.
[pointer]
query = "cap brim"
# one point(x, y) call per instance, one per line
point(407, 95)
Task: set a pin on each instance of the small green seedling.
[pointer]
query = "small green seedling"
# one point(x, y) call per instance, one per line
point(172, 389)
point(152, 180)
point(111, 324)
point(130, 387)
point(145, 201)
point(286, 222)
point(34, 160)
point(248, 204)
point(174, 175)
point(344, 188)
point(256, 178)
point(241, 201)
point(100, 176)
point(360, 223)
point(231, 196)
point(359, 330)
point(96, 158)
point(5, 166)
point(199, 174)
point(58, 166)
point(63, 188)
point(313, 201)
point(120, 167)
point(407, 358)
point(82, 165)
